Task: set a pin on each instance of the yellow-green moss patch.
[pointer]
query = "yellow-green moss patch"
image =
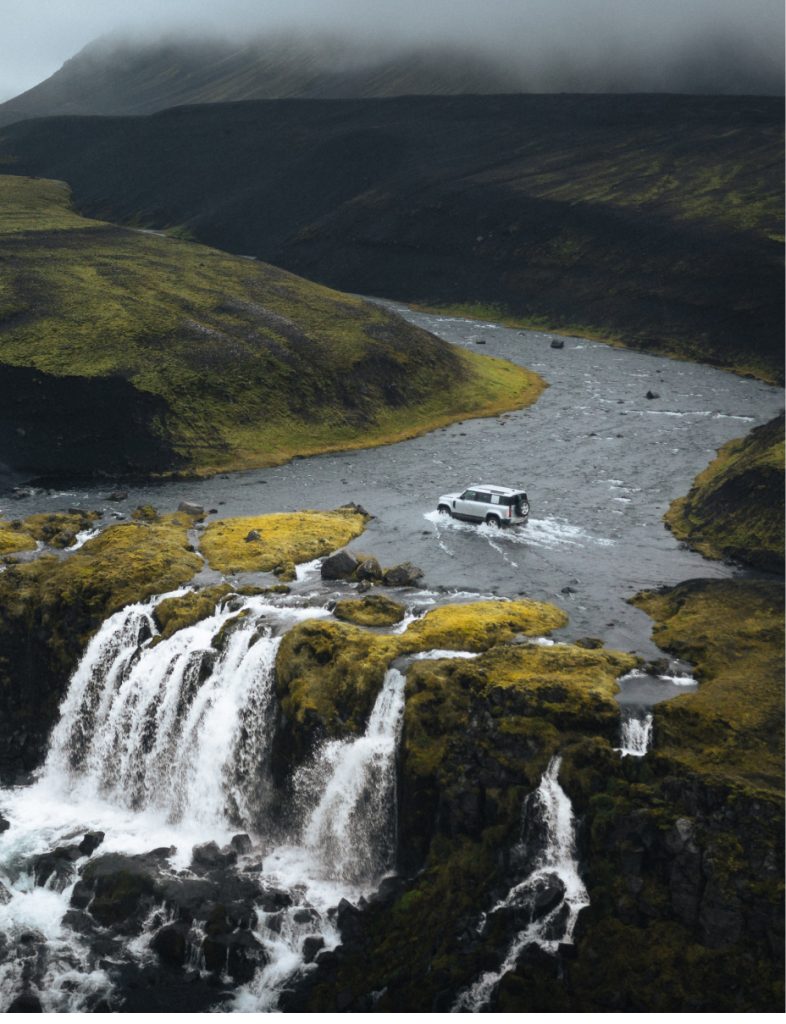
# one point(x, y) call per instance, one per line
point(174, 613)
point(280, 538)
point(480, 624)
point(374, 610)
point(14, 537)
point(732, 630)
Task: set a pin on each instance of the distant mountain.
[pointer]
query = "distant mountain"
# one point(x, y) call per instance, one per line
point(656, 221)
point(114, 77)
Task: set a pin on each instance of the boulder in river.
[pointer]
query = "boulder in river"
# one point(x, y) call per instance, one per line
point(191, 509)
point(652, 394)
point(339, 566)
point(404, 575)
point(557, 343)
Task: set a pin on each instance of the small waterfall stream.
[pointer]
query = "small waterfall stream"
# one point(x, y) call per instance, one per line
point(548, 899)
point(635, 732)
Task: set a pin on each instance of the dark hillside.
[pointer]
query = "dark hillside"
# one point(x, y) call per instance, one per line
point(652, 220)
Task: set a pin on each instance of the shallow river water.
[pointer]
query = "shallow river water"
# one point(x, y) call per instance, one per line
point(600, 462)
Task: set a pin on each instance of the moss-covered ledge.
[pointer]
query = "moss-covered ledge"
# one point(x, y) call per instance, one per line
point(735, 507)
point(329, 673)
point(276, 542)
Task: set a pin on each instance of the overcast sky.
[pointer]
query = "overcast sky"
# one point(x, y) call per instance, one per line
point(37, 36)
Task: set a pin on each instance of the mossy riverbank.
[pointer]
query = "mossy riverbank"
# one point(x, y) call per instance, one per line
point(127, 351)
point(735, 507)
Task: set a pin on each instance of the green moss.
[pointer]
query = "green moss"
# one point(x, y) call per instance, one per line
point(253, 365)
point(731, 729)
point(174, 613)
point(14, 538)
point(374, 610)
point(735, 507)
point(280, 539)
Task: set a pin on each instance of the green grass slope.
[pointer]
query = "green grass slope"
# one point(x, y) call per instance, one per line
point(654, 221)
point(122, 350)
point(735, 508)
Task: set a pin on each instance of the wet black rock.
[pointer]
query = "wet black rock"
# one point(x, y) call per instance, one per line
point(117, 496)
point(241, 843)
point(90, 843)
point(252, 535)
point(4, 823)
point(557, 343)
point(651, 395)
point(369, 569)
point(338, 566)
point(207, 856)
point(81, 895)
point(170, 944)
point(27, 1002)
point(124, 889)
point(404, 575)
point(312, 944)
point(238, 953)
point(353, 506)
point(191, 509)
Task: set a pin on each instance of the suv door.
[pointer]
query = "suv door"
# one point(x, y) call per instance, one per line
point(465, 505)
point(482, 504)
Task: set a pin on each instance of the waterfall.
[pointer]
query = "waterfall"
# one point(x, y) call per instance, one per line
point(182, 724)
point(635, 732)
point(548, 900)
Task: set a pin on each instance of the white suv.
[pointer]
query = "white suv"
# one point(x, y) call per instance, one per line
point(487, 503)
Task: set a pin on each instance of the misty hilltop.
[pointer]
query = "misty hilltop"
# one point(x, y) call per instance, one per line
point(111, 76)
point(119, 74)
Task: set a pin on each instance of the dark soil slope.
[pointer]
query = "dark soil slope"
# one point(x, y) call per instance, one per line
point(652, 220)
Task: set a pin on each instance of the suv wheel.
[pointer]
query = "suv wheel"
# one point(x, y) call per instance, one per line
point(444, 510)
point(493, 521)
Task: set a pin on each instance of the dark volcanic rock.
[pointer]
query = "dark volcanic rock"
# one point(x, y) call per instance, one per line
point(170, 943)
point(404, 575)
point(339, 566)
point(557, 343)
point(191, 509)
point(27, 1002)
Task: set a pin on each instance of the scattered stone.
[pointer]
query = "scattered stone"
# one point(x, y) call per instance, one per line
point(241, 843)
point(338, 566)
point(557, 343)
point(90, 843)
point(353, 506)
point(568, 590)
point(170, 943)
point(4, 823)
point(364, 586)
point(208, 855)
point(312, 944)
point(253, 535)
point(652, 394)
point(480, 341)
point(404, 575)
point(589, 643)
point(27, 1002)
point(117, 496)
point(191, 509)
point(369, 569)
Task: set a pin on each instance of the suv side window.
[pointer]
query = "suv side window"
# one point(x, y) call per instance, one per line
point(469, 496)
point(495, 500)
point(483, 496)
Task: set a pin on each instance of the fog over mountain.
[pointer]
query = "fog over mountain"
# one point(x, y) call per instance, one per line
point(697, 46)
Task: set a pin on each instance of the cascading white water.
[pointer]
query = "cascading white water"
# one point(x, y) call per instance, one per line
point(635, 733)
point(347, 843)
point(174, 725)
point(556, 856)
point(351, 829)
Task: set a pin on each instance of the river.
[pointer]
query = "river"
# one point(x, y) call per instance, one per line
point(600, 462)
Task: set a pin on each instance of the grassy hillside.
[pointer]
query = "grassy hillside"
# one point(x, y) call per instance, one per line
point(735, 507)
point(655, 221)
point(124, 351)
